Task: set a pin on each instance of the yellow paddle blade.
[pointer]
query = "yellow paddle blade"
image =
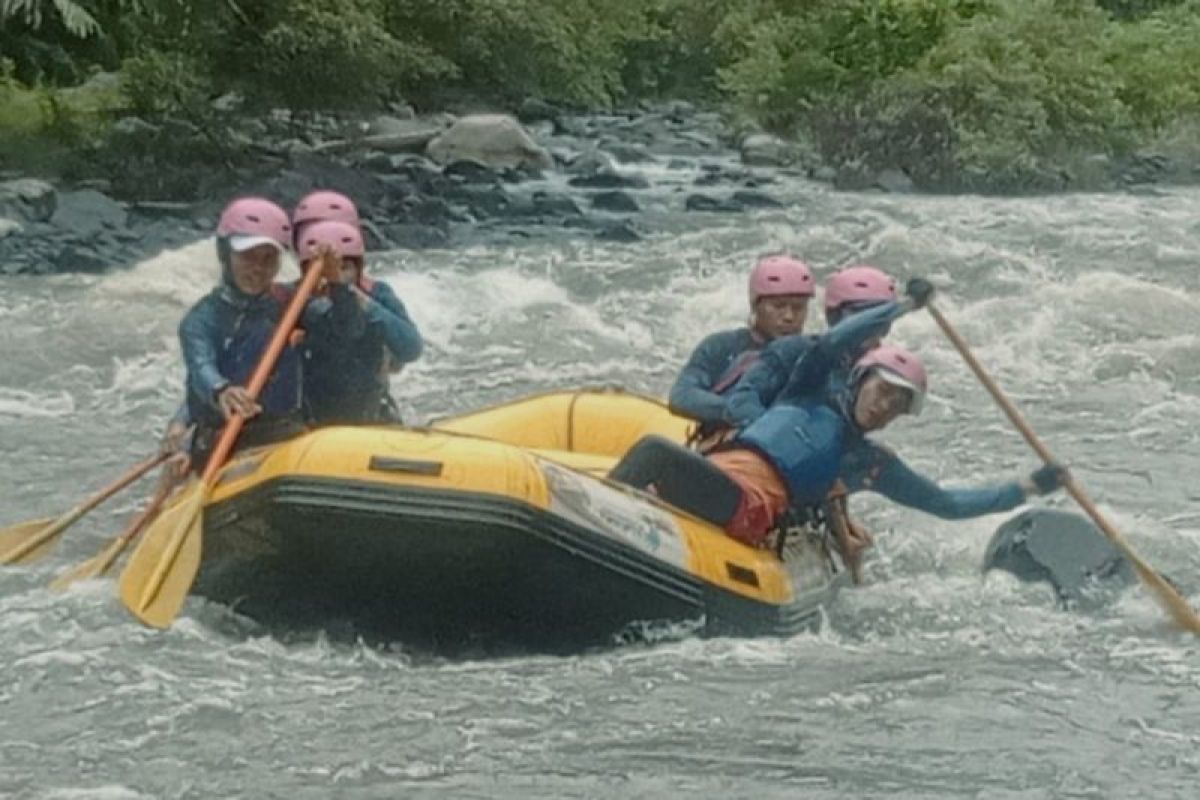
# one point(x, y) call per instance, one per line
point(160, 572)
point(100, 563)
point(26, 542)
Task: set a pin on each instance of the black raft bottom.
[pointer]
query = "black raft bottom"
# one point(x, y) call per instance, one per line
point(447, 572)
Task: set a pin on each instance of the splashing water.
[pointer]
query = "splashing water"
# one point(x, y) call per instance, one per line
point(928, 682)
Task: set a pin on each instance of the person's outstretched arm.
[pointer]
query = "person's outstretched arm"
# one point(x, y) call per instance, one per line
point(875, 468)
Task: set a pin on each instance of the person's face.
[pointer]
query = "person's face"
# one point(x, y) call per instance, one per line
point(255, 269)
point(349, 269)
point(879, 402)
point(782, 315)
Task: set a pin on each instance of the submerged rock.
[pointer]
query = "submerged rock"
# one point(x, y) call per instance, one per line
point(1061, 549)
point(615, 201)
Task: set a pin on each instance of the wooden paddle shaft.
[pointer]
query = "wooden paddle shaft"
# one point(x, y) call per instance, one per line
point(135, 472)
point(1176, 605)
point(262, 372)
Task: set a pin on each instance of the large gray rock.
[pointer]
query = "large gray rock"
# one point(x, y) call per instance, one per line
point(763, 149)
point(88, 212)
point(8, 227)
point(894, 180)
point(533, 109)
point(28, 199)
point(80, 258)
point(386, 124)
point(617, 201)
point(590, 162)
point(496, 140)
point(401, 136)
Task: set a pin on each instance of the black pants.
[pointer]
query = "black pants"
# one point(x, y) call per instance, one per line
point(682, 477)
point(255, 432)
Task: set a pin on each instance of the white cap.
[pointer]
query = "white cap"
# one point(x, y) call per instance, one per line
point(916, 396)
point(241, 243)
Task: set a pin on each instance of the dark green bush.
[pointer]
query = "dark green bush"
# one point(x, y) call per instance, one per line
point(1156, 61)
point(1027, 84)
point(957, 93)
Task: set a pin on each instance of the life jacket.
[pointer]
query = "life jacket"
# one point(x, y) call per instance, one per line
point(804, 443)
point(345, 381)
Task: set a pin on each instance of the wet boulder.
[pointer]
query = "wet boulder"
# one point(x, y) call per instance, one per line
point(28, 199)
point(1061, 549)
point(617, 201)
point(496, 140)
point(765, 150)
point(704, 202)
point(8, 227)
point(88, 212)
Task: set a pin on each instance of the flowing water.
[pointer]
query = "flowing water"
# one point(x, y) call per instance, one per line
point(927, 682)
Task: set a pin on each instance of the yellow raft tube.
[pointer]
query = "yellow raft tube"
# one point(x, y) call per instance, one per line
point(497, 525)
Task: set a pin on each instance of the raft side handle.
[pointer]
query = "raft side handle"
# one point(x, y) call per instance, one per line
point(410, 465)
point(742, 574)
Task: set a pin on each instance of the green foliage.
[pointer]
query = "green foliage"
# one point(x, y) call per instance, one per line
point(321, 54)
point(1028, 84)
point(674, 53)
point(159, 85)
point(73, 16)
point(42, 130)
point(784, 59)
point(565, 50)
point(976, 93)
point(1131, 9)
point(1157, 60)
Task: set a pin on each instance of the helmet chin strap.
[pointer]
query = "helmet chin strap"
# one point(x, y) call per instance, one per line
point(756, 331)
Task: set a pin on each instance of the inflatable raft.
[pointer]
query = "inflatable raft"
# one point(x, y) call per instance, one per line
point(493, 526)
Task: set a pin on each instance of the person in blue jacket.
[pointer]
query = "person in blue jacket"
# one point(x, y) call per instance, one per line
point(780, 289)
point(794, 453)
point(348, 383)
point(847, 292)
point(346, 377)
point(226, 333)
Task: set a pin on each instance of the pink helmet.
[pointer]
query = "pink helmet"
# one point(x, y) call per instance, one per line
point(325, 205)
point(899, 367)
point(778, 275)
point(345, 240)
point(251, 221)
point(858, 285)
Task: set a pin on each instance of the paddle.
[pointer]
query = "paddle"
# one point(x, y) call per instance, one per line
point(100, 563)
point(28, 541)
point(1163, 592)
point(161, 570)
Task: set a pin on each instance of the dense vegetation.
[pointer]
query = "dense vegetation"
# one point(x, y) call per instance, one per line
point(996, 94)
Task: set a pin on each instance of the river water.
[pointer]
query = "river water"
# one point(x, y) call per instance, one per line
point(927, 682)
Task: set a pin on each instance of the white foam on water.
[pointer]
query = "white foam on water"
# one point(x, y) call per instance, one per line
point(30, 405)
point(104, 792)
point(174, 278)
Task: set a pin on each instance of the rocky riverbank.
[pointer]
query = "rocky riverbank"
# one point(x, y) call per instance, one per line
point(441, 180)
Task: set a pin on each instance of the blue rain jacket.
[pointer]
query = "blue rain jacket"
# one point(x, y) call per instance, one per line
point(346, 377)
point(794, 369)
point(712, 370)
